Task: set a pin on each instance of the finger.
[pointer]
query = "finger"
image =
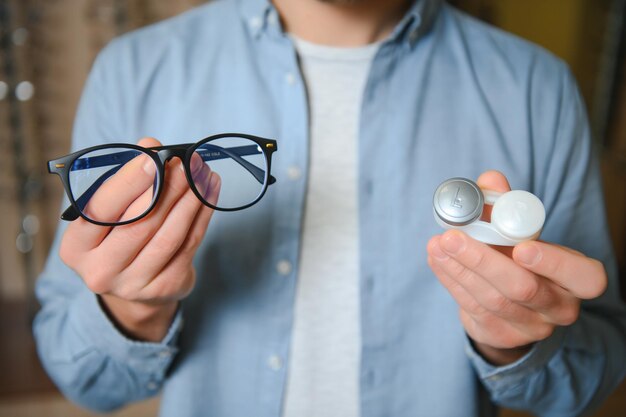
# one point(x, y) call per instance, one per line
point(139, 206)
point(119, 191)
point(171, 279)
point(583, 277)
point(123, 243)
point(485, 294)
point(197, 230)
point(176, 267)
point(169, 238)
point(208, 186)
point(496, 332)
point(203, 216)
point(88, 235)
point(212, 192)
point(494, 181)
point(456, 290)
point(514, 282)
point(487, 327)
point(82, 236)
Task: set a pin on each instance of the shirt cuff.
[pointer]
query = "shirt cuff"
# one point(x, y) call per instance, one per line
point(100, 334)
point(498, 379)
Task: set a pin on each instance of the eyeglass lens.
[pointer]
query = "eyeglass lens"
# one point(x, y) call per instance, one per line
point(241, 167)
point(114, 184)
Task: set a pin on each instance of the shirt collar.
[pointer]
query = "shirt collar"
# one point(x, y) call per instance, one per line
point(416, 22)
point(255, 14)
point(258, 15)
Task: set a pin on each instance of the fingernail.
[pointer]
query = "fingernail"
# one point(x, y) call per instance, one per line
point(206, 183)
point(213, 187)
point(196, 163)
point(214, 183)
point(528, 254)
point(438, 253)
point(452, 243)
point(200, 180)
point(149, 167)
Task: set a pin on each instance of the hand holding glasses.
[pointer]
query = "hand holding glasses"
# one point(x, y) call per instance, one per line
point(134, 176)
point(142, 270)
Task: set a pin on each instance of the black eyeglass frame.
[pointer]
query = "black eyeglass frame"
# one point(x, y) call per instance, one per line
point(160, 155)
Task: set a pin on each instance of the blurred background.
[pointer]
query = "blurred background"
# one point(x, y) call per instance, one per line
point(46, 50)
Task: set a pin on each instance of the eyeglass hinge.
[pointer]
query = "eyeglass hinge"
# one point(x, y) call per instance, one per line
point(59, 165)
point(269, 145)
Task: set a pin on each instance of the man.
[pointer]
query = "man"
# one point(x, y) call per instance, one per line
point(323, 299)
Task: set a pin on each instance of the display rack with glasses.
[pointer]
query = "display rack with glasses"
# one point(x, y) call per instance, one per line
point(50, 46)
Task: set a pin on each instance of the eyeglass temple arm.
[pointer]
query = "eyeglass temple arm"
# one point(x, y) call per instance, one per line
point(235, 153)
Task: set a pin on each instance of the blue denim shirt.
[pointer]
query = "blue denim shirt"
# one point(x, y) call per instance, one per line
point(447, 96)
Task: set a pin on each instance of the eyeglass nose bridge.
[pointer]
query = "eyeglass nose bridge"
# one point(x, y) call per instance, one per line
point(166, 153)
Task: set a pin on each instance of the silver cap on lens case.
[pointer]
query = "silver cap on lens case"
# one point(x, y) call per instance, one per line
point(458, 201)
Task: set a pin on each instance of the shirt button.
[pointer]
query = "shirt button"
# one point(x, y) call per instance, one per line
point(294, 173)
point(165, 354)
point(274, 363)
point(255, 22)
point(283, 267)
point(290, 78)
point(152, 386)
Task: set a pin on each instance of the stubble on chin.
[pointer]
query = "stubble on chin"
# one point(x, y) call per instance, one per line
point(343, 2)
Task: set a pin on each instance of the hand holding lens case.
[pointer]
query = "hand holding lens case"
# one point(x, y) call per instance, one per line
point(516, 216)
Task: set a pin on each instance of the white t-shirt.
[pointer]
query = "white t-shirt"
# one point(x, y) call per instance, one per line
point(324, 362)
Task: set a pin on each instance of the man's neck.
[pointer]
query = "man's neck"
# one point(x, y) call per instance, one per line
point(336, 23)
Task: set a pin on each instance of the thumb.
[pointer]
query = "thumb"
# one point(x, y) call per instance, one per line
point(493, 180)
point(148, 142)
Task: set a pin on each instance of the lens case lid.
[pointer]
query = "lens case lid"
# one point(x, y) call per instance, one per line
point(458, 201)
point(518, 214)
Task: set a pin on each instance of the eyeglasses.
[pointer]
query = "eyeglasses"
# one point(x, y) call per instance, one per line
point(134, 176)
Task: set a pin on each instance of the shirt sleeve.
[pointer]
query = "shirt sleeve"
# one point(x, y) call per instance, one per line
point(571, 372)
point(91, 362)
